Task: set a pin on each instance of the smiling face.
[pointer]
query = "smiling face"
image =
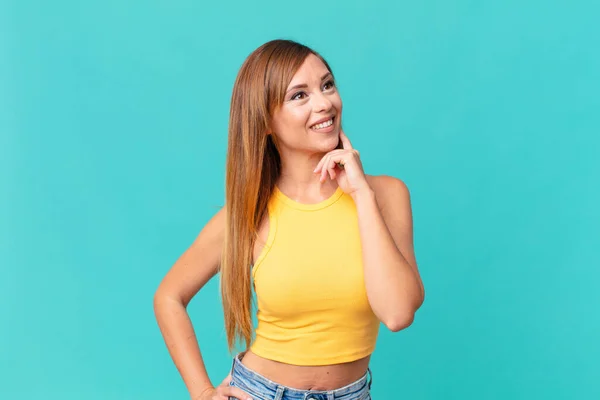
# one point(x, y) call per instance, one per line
point(309, 118)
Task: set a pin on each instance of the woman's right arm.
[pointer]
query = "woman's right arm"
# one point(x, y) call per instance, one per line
point(194, 268)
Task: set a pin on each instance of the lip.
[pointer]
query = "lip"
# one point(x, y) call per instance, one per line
point(321, 121)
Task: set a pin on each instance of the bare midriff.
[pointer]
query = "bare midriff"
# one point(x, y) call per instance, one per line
point(318, 377)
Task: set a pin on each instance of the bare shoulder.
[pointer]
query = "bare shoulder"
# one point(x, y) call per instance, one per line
point(389, 191)
point(198, 263)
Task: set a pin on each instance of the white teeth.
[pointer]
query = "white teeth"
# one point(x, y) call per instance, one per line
point(323, 125)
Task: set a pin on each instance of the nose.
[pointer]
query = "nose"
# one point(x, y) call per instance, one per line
point(321, 103)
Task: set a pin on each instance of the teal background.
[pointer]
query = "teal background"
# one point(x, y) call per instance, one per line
point(113, 124)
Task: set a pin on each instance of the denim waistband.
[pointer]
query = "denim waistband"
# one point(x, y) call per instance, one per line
point(261, 387)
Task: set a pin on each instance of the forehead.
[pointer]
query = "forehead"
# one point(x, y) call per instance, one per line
point(311, 70)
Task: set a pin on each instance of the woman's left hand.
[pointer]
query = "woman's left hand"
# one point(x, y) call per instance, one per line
point(343, 165)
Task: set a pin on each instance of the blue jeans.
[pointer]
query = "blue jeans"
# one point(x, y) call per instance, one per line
point(261, 388)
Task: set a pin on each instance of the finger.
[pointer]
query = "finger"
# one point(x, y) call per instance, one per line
point(232, 391)
point(324, 169)
point(319, 165)
point(341, 158)
point(346, 145)
point(338, 162)
point(226, 380)
point(331, 169)
point(333, 153)
point(324, 159)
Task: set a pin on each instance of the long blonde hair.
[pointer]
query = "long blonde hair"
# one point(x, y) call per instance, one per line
point(252, 169)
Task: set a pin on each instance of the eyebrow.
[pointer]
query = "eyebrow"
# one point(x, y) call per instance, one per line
point(304, 85)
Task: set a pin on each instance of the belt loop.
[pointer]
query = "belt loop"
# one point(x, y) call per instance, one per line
point(279, 393)
point(370, 377)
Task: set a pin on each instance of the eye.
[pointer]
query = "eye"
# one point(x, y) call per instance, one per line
point(295, 97)
point(328, 85)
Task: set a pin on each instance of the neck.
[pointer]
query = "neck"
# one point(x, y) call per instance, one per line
point(298, 180)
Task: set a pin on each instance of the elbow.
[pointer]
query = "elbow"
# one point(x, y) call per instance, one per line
point(159, 296)
point(400, 321)
point(404, 316)
point(162, 298)
point(157, 301)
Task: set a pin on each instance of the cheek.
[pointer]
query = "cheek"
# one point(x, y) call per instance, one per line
point(337, 102)
point(289, 120)
point(295, 119)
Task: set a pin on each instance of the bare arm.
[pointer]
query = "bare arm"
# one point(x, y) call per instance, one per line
point(194, 268)
point(392, 280)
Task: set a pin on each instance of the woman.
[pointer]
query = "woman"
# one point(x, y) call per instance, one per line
point(327, 249)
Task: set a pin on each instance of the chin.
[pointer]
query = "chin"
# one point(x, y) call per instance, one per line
point(329, 144)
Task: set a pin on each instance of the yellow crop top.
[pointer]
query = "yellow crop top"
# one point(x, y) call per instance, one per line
point(312, 306)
